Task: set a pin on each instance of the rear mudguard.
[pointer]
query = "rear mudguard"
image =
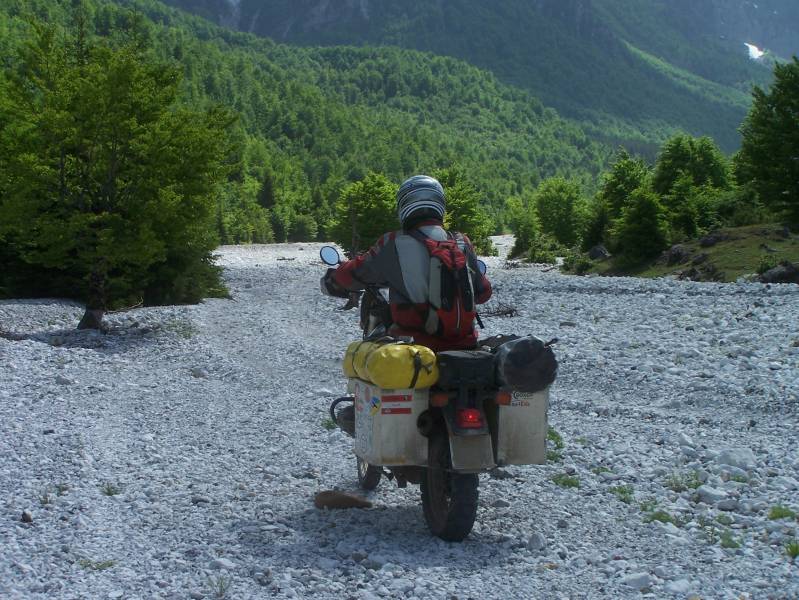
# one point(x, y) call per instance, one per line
point(471, 450)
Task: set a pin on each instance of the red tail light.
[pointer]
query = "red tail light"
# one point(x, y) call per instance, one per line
point(469, 418)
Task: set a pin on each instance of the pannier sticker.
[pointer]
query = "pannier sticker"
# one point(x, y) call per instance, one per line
point(397, 398)
point(375, 406)
point(395, 411)
point(521, 399)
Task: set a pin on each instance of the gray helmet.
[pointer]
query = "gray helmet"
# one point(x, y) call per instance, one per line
point(420, 194)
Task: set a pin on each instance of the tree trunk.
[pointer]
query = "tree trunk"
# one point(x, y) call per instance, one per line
point(96, 303)
point(92, 319)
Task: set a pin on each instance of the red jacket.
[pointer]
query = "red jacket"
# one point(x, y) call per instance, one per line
point(402, 263)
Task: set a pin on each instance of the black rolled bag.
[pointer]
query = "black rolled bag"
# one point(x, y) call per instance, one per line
point(458, 368)
point(525, 364)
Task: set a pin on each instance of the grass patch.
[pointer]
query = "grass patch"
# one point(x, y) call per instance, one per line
point(648, 505)
point(600, 470)
point(566, 481)
point(110, 489)
point(556, 439)
point(792, 549)
point(781, 512)
point(46, 497)
point(741, 254)
point(623, 493)
point(219, 586)
point(660, 516)
point(329, 424)
point(96, 565)
point(725, 520)
point(728, 541)
point(554, 456)
point(680, 482)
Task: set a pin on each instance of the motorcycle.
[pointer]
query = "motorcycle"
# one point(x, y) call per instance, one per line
point(442, 437)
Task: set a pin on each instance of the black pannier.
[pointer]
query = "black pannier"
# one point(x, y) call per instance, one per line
point(472, 368)
point(526, 365)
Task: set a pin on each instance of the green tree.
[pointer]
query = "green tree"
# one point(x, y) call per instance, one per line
point(365, 210)
point(103, 179)
point(558, 205)
point(699, 158)
point(523, 222)
point(464, 211)
point(769, 156)
point(626, 175)
point(642, 230)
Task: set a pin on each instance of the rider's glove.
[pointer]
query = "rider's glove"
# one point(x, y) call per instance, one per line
point(330, 287)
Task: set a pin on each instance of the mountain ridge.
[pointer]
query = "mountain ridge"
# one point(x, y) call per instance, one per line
point(574, 55)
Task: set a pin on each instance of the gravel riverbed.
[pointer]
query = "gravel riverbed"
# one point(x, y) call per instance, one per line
point(177, 455)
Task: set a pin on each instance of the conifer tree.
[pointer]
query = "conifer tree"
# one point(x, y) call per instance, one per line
point(769, 156)
point(103, 180)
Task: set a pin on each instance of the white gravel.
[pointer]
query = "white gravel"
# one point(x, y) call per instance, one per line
point(178, 454)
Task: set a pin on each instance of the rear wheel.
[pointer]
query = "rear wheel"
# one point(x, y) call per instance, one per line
point(449, 499)
point(368, 475)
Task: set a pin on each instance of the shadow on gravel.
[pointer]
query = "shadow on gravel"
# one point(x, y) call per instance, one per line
point(114, 340)
point(371, 537)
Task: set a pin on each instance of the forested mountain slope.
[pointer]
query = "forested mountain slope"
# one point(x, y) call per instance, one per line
point(313, 119)
point(631, 70)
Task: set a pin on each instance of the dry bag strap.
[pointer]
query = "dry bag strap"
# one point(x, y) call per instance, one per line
point(418, 365)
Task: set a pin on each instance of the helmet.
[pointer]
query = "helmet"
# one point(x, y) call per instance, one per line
point(418, 198)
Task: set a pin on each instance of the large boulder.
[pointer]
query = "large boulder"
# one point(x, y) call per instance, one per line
point(677, 255)
point(785, 272)
point(743, 458)
point(598, 252)
point(711, 239)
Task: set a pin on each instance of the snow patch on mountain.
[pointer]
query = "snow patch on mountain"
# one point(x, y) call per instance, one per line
point(755, 53)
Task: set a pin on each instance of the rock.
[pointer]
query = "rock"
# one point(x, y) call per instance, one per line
point(200, 500)
point(727, 504)
point(199, 373)
point(684, 440)
point(27, 517)
point(563, 524)
point(537, 542)
point(500, 503)
point(637, 581)
point(743, 458)
point(61, 380)
point(568, 324)
point(785, 272)
point(497, 473)
point(679, 586)
point(712, 239)
point(710, 495)
point(334, 499)
point(786, 483)
point(598, 253)
point(223, 563)
point(664, 572)
point(677, 254)
point(700, 259)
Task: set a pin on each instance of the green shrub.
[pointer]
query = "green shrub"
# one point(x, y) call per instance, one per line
point(792, 549)
point(577, 262)
point(767, 262)
point(623, 492)
point(566, 481)
point(781, 512)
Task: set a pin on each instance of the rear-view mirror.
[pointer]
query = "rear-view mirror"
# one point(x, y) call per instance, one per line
point(330, 256)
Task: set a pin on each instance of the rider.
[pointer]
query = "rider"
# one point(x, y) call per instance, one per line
point(400, 260)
